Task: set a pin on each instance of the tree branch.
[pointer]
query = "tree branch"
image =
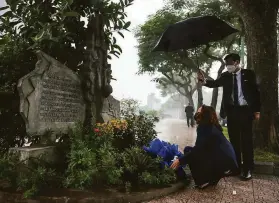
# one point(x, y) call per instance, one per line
point(205, 51)
point(174, 84)
point(194, 89)
point(229, 46)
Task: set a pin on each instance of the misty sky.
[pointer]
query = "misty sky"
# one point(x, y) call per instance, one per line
point(124, 69)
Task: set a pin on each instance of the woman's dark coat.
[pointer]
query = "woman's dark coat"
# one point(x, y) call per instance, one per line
point(211, 156)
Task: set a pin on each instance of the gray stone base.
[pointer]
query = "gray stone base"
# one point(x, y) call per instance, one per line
point(267, 168)
point(276, 169)
point(264, 168)
point(28, 152)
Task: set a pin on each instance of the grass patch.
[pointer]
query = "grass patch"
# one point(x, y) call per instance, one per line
point(264, 155)
point(259, 154)
point(225, 131)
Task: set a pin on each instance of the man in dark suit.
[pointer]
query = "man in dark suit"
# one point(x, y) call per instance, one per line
point(189, 110)
point(241, 104)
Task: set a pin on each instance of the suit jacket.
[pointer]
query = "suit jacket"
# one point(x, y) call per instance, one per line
point(189, 110)
point(249, 88)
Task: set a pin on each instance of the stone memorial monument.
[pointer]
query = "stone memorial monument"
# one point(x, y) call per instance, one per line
point(50, 100)
point(50, 97)
point(111, 109)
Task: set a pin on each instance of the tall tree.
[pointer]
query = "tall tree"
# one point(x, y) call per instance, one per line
point(172, 84)
point(260, 18)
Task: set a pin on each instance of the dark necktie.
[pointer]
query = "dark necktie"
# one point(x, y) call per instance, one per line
point(235, 91)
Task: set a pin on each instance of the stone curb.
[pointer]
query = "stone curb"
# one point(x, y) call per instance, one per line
point(267, 168)
point(136, 197)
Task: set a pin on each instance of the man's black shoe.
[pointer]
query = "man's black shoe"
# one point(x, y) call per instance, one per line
point(228, 173)
point(247, 175)
point(232, 173)
point(201, 187)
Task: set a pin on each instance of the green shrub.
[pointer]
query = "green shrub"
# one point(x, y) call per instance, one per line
point(30, 179)
point(33, 181)
point(92, 160)
point(163, 177)
point(82, 167)
point(8, 169)
point(12, 129)
point(141, 125)
point(140, 168)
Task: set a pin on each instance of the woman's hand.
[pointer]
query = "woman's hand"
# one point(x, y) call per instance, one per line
point(175, 164)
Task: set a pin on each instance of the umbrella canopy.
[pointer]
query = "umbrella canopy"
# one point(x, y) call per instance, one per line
point(193, 32)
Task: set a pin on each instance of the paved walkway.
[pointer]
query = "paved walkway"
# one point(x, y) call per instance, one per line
point(230, 190)
point(176, 131)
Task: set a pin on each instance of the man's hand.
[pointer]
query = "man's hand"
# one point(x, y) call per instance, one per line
point(257, 116)
point(175, 164)
point(201, 77)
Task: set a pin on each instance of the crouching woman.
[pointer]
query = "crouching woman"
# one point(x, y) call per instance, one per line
point(212, 154)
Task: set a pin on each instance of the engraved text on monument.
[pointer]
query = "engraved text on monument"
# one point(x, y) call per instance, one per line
point(61, 99)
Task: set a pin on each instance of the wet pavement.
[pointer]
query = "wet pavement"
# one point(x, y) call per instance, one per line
point(261, 189)
point(176, 131)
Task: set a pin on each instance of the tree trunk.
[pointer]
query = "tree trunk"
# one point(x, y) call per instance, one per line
point(249, 59)
point(259, 17)
point(214, 97)
point(200, 95)
point(94, 73)
point(215, 92)
point(190, 100)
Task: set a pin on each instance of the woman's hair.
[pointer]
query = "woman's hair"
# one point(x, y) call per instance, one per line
point(208, 116)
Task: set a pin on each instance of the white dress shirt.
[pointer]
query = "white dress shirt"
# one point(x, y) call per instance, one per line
point(241, 98)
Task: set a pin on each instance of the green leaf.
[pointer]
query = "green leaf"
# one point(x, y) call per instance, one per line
point(8, 14)
point(122, 3)
point(55, 39)
point(120, 24)
point(127, 25)
point(117, 47)
point(39, 36)
point(116, 55)
point(41, 24)
point(4, 8)
point(71, 14)
point(3, 41)
point(120, 33)
point(12, 24)
point(32, 47)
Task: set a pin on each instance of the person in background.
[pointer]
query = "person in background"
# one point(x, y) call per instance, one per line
point(212, 154)
point(189, 110)
point(241, 105)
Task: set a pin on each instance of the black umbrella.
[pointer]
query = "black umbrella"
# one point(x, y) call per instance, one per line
point(193, 32)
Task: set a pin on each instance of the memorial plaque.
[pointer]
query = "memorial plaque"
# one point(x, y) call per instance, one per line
point(111, 109)
point(50, 97)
